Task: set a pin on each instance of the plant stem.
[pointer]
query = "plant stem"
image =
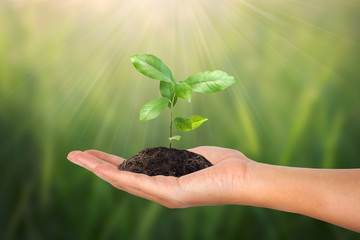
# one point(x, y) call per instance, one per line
point(171, 117)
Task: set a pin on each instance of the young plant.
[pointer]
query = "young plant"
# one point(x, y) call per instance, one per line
point(203, 82)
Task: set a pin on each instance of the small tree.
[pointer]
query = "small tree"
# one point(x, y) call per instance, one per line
point(203, 82)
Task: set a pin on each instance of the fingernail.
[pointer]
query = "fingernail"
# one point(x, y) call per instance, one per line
point(74, 159)
point(71, 156)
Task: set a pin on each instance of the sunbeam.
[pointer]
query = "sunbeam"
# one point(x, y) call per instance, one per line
point(66, 82)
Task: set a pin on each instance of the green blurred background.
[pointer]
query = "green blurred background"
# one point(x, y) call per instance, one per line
point(66, 83)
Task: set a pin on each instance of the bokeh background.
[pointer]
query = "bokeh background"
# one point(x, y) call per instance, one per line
point(66, 83)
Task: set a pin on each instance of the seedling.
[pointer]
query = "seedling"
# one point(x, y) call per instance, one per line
point(203, 82)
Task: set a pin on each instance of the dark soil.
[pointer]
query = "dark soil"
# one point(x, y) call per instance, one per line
point(165, 161)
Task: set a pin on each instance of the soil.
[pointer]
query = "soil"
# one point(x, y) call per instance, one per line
point(165, 161)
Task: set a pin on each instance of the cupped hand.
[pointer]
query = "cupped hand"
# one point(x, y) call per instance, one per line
point(223, 183)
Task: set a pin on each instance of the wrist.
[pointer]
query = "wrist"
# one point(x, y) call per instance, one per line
point(248, 191)
point(253, 190)
point(260, 185)
point(282, 188)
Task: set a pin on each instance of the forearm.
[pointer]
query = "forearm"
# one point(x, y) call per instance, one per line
point(331, 195)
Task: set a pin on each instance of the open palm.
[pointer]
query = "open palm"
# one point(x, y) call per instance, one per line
point(211, 186)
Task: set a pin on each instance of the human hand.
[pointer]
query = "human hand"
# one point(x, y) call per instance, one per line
point(235, 179)
point(223, 183)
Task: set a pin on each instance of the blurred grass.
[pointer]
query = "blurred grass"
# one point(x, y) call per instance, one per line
point(66, 83)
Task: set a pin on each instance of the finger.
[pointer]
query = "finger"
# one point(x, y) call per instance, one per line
point(72, 157)
point(104, 174)
point(216, 154)
point(115, 160)
point(138, 184)
point(88, 161)
point(95, 165)
point(207, 152)
point(161, 187)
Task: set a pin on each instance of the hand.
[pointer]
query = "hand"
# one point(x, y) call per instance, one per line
point(331, 195)
point(223, 183)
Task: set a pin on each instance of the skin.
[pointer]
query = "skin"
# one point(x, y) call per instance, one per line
point(331, 195)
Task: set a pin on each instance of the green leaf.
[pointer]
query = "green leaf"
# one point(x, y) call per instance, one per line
point(175, 100)
point(167, 90)
point(177, 137)
point(153, 108)
point(210, 81)
point(153, 67)
point(190, 123)
point(183, 90)
point(183, 124)
point(197, 121)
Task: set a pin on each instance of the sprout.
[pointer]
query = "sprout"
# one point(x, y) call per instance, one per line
point(203, 82)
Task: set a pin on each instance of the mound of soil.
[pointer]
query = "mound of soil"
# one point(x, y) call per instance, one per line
point(165, 161)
